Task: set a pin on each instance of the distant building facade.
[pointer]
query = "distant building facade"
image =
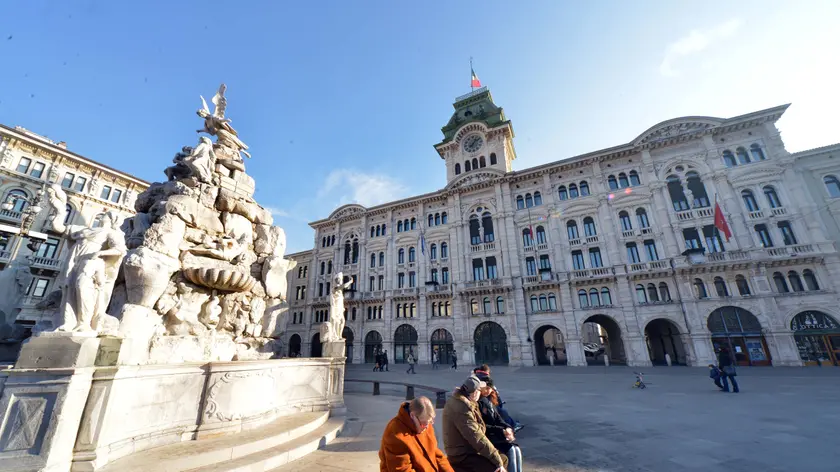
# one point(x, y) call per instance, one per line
point(611, 254)
point(29, 161)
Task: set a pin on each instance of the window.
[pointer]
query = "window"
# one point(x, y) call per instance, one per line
point(749, 200)
point(473, 306)
point(641, 294)
point(606, 299)
point(695, 185)
point(475, 231)
point(583, 299)
point(787, 233)
point(467, 166)
point(372, 283)
point(595, 258)
point(633, 254)
point(412, 279)
point(444, 250)
point(613, 184)
point(527, 240)
point(68, 180)
point(763, 236)
point(720, 287)
point(543, 303)
point(399, 310)
point(781, 284)
point(537, 198)
point(795, 281)
point(37, 170)
point(757, 153)
point(414, 223)
point(810, 280)
point(520, 202)
point(832, 185)
point(433, 251)
point(399, 226)
point(68, 217)
point(700, 289)
point(478, 269)
point(642, 218)
point(48, 248)
point(373, 260)
point(653, 296)
point(437, 219)
point(650, 250)
point(486, 305)
point(572, 230)
point(743, 157)
point(80, 184)
point(573, 191)
point(329, 267)
point(23, 165)
point(577, 260)
point(444, 218)
point(564, 195)
point(552, 302)
point(401, 256)
point(482, 162)
point(381, 259)
point(589, 227)
point(457, 169)
point(490, 262)
point(444, 273)
point(545, 264)
point(743, 286)
point(664, 293)
point(622, 180)
point(97, 220)
point(17, 198)
point(713, 241)
point(594, 299)
point(500, 305)
point(626, 224)
point(412, 254)
point(675, 190)
point(634, 178)
point(529, 201)
point(380, 283)
point(38, 287)
point(729, 159)
point(400, 280)
point(772, 197)
point(584, 189)
point(433, 275)
point(541, 235)
point(106, 192)
point(492, 158)
point(487, 224)
point(530, 266)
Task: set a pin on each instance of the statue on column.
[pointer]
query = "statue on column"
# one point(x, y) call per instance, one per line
point(337, 306)
point(216, 124)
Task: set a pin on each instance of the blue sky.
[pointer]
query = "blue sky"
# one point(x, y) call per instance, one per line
point(342, 101)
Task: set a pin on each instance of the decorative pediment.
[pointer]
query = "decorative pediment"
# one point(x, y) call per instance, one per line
point(747, 175)
point(584, 206)
point(347, 210)
point(675, 128)
point(474, 178)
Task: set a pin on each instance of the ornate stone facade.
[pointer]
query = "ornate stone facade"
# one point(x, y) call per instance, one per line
point(590, 257)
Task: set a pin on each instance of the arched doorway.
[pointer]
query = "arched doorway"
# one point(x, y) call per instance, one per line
point(347, 334)
point(739, 331)
point(490, 344)
point(405, 343)
point(602, 338)
point(817, 337)
point(442, 343)
point(315, 348)
point(550, 339)
point(373, 346)
point(294, 346)
point(663, 337)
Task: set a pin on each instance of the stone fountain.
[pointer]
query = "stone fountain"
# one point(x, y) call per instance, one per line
point(168, 325)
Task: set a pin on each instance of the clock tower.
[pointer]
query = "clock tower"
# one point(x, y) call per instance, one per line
point(477, 137)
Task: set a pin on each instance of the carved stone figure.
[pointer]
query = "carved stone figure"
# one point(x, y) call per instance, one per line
point(202, 160)
point(7, 157)
point(217, 125)
point(180, 170)
point(337, 304)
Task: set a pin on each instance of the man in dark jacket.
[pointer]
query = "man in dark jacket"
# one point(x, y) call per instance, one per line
point(385, 360)
point(464, 432)
point(727, 370)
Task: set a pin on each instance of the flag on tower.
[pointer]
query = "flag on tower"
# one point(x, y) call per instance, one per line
point(474, 82)
point(720, 222)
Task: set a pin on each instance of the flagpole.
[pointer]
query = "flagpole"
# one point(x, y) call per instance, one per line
point(471, 74)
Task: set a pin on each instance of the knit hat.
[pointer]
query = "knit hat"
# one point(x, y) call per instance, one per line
point(471, 385)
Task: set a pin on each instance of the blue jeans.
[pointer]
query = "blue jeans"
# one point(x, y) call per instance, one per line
point(514, 455)
point(506, 416)
point(724, 381)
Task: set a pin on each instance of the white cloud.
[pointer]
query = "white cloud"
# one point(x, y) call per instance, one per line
point(277, 212)
point(694, 42)
point(344, 186)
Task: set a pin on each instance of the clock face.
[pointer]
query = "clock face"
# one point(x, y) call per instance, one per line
point(473, 143)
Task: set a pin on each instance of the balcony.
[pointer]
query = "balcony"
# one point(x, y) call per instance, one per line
point(483, 247)
point(542, 246)
point(30, 301)
point(592, 273)
point(574, 242)
point(755, 215)
point(779, 211)
point(406, 292)
point(630, 233)
point(695, 214)
point(47, 263)
point(789, 251)
point(647, 230)
point(728, 256)
point(596, 307)
point(483, 283)
point(529, 248)
point(592, 239)
point(10, 215)
point(652, 265)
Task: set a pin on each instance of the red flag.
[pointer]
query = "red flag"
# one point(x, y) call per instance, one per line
point(720, 222)
point(475, 82)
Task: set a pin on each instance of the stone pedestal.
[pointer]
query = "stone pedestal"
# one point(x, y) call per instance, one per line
point(333, 349)
point(43, 399)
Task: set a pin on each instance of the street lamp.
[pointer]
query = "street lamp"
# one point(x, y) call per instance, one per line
point(28, 215)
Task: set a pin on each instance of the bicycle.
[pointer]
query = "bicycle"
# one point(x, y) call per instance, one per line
point(640, 381)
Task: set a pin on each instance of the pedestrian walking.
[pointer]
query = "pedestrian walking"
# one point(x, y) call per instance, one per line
point(410, 364)
point(727, 370)
point(435, 360)
point(454, 365)
point(409, 442)
point(384, 361)
point(714, 374)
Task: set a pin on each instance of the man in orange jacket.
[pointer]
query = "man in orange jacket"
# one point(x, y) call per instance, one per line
point(409, 443)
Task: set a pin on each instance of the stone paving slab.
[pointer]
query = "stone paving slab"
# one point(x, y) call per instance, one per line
point(591, 420)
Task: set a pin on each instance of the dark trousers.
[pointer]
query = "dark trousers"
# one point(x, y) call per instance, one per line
point(506, 416)
point(725, 380)
point(410, 369)
point(474, 463)
point(717, 382)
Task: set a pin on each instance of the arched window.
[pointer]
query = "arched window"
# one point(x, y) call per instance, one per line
point(594, 299)
point(473, 306)
point(606, 299)
point(492, 158)
point(444, 250)
point(97, 220)
point(475, 163)
point(589, 226)
point(372, 229)
point(540, 235)
point(431, 220)
point(434, 309)
point(373, 260)
point(520, 202)
point(399, 310)
point(757, 153)
point(622, 180)
point(401, 256)
point(529, 201)
point(381, 259)
point(584, 189)
point(467, 166)
point(500, 305)
point(749, 200)
point(527, 240)
point(324, 242)
point(433, 251)
point(414, 223)
point(487, 225)
point(700, 289)
point(412, 254)
point(552, 302)
point(537, 198)
point(743, 157)
point(399, 226)
point(329, 267)
point(832, 185)
point(482, 162)
point(795, 281)
point(652, 294)
point(720, 287)
point(573, 191)
point(772, 198)
point(583, 298)
point(743, 286)
point(664, 293)
point(535, 306)
point(487, 307)
point(564, 195)
point(612, 182)
point(437, 219)
point(572, 230)
point(729, 159)
point(693, 182)
point(675, 190)
point(457, 169)
point(641, 295)
point(18, 198)
point(626, 223)
point(444, 218)
point(810, 280)
point(642, 218)
point(634, 178)
point(781, 284)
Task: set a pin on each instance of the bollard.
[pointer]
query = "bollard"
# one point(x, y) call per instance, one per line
point(606, 360)
point(440, 402)
point(409, 392)
point(668, 359)
point(376, 388)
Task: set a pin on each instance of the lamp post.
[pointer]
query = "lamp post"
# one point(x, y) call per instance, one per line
point(28, 215)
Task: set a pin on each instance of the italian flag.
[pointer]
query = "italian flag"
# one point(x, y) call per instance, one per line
point(474, 82)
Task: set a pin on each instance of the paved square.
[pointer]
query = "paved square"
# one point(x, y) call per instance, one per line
point(591, 420)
